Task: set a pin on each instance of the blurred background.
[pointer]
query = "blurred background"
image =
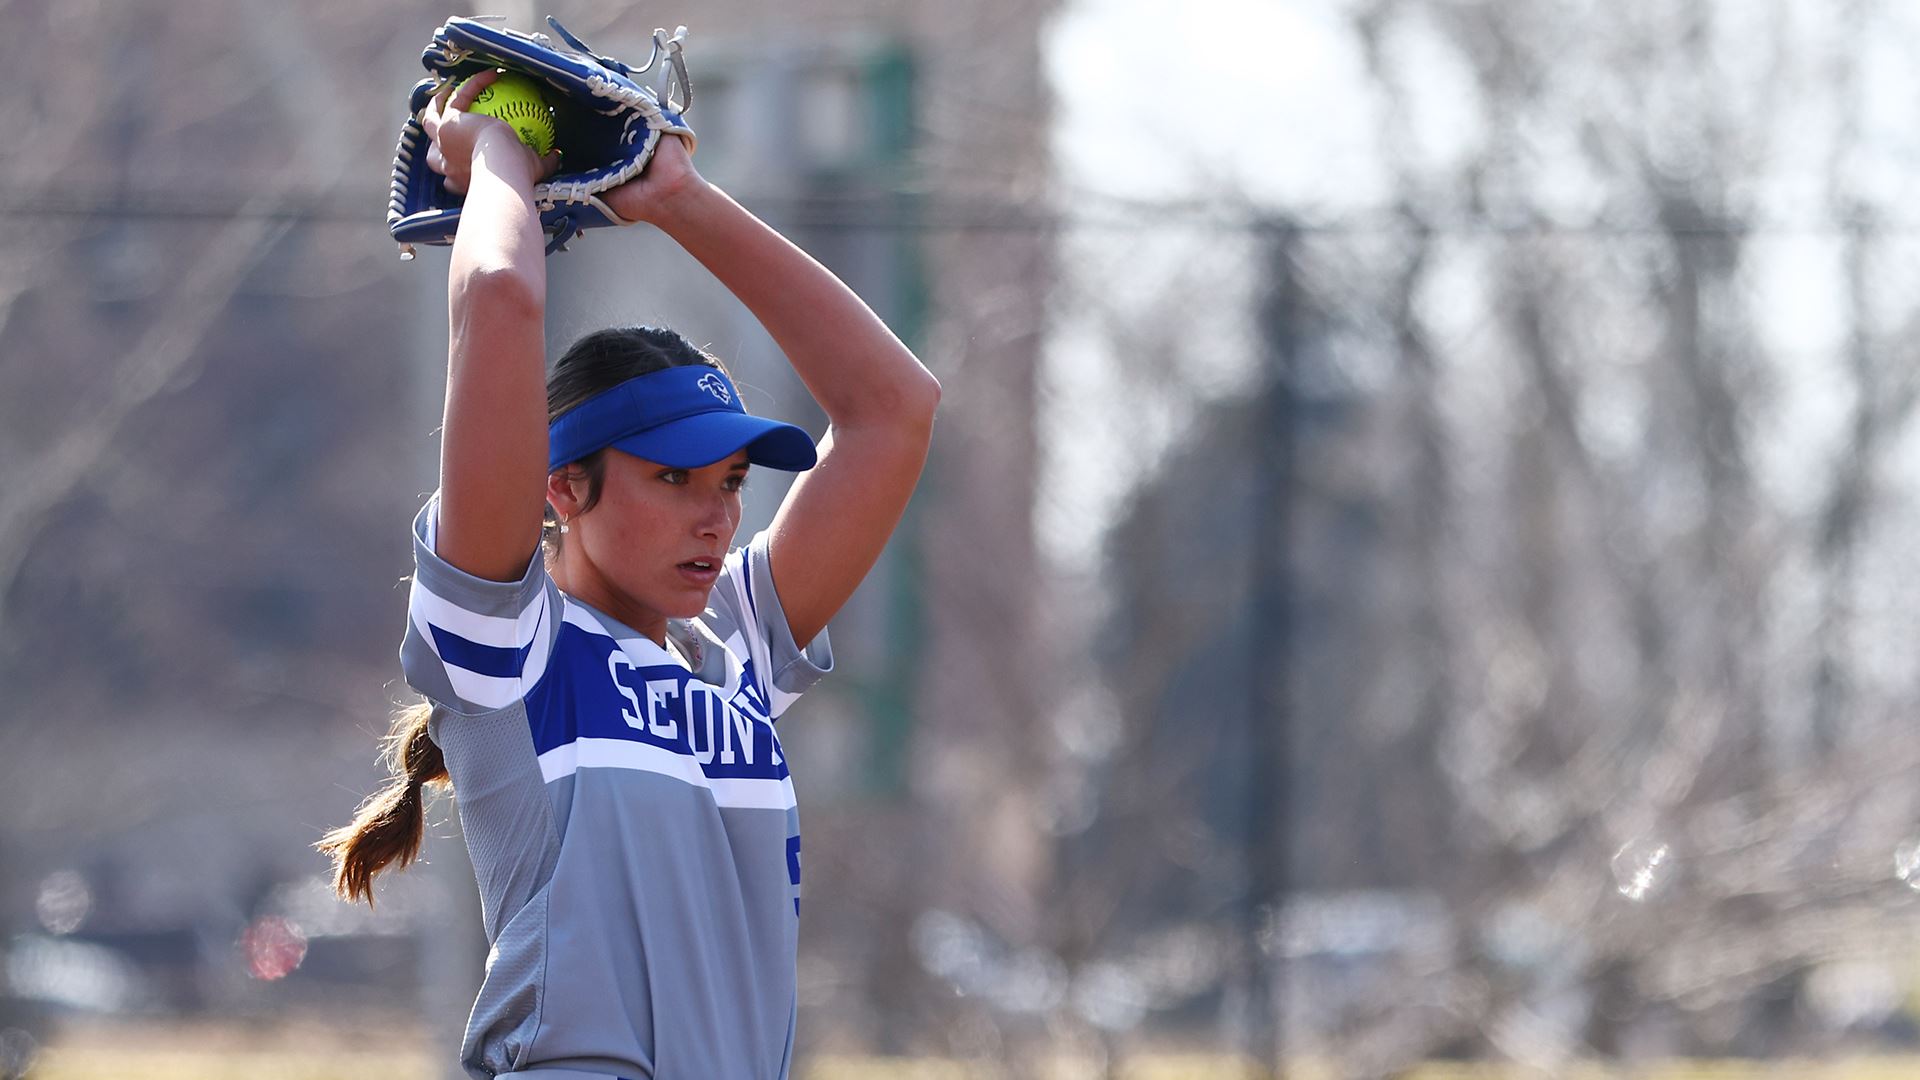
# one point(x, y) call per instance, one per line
point(1416, 576)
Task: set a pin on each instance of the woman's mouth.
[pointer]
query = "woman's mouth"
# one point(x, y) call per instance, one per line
point(701, 571)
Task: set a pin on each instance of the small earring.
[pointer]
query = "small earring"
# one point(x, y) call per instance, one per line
point(563, 525)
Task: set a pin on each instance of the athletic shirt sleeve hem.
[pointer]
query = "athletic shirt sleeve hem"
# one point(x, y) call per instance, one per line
point(474, 645)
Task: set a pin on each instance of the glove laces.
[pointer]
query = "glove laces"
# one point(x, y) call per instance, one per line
point(672, 75)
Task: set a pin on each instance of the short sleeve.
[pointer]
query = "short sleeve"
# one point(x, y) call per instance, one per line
point(744, 602)
point(474, 645)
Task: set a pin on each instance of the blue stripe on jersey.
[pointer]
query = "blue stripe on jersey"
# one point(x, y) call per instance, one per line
point(746, 579)
point(501, 663)
point(593, 690)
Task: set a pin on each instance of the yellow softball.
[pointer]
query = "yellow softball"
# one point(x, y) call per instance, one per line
point(516, 99)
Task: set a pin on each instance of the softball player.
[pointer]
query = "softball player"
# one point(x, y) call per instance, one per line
point(604, 704)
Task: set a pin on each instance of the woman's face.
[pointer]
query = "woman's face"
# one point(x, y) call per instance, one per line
point(651, 548)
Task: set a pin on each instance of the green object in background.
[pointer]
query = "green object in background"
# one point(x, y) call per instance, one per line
point(888, 76)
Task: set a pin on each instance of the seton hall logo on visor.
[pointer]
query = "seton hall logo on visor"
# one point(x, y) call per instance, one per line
point(714, 385)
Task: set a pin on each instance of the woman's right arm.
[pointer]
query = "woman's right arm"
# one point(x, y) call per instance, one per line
point(493, 442)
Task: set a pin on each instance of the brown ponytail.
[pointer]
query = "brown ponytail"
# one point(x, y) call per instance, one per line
point(388, 826)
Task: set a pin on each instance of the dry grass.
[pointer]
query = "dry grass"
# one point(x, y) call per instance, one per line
point(1859, 1068)
point(228, 1052)
point(350, 1052)
point(1225, 1067)
point(63, 1064)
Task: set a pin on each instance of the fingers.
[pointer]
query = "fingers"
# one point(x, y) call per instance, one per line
point(467, 91)
point(452, 136)
point(454, 97)
point(673, 144)
point(435, 114)
point(437, 162)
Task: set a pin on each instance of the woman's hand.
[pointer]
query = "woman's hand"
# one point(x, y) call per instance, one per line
point(650, 197)
point(455, 133)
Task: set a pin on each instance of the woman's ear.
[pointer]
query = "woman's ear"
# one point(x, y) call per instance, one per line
point(566, 490)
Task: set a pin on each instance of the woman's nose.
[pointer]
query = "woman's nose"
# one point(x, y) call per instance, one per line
point(714, 515)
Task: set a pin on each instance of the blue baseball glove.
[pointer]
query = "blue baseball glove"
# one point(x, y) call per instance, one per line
point(606, 125)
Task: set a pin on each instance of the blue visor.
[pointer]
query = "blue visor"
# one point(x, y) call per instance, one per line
point(684, 417)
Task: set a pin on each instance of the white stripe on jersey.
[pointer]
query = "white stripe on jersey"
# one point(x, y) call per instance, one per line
point(757, 651)
point(733, 792)
point(498, 631)
point(780, 699)
point(427, 610)
point(544, 636)
point(485, 691)
point(777, 699)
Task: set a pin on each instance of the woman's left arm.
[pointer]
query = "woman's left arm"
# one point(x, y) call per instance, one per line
point(878, 398)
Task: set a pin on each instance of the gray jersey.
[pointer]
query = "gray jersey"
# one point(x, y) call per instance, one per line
point(630, 818)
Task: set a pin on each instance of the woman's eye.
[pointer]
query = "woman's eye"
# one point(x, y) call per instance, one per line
point(674, 476)
point(734, 483)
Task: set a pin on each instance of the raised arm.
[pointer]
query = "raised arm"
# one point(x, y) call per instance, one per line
point(493, 444)
point(878, 398)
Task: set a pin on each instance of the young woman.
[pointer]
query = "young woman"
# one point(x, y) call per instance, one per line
point(602, 697)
